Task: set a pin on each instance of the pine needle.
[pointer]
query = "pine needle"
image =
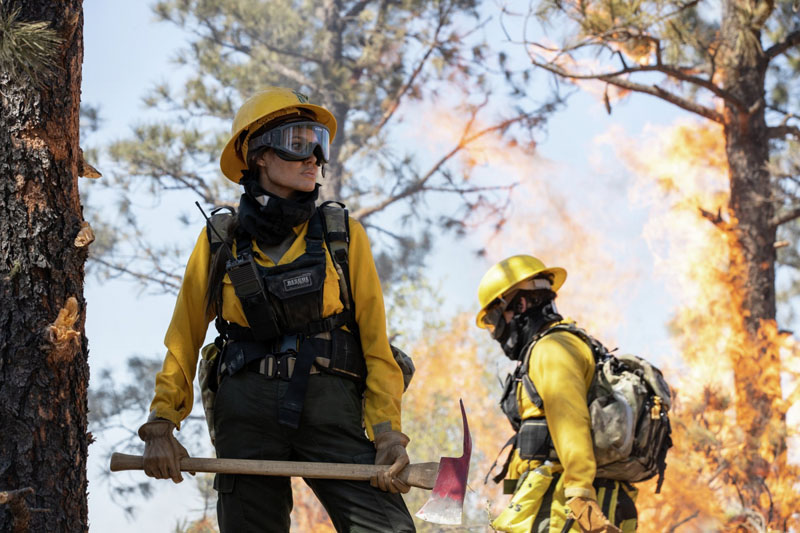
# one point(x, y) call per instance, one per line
point(27, 48)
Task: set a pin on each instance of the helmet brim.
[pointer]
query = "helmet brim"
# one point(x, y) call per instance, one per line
point(558, 274)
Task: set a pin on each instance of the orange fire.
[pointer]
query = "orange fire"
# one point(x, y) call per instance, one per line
point(724, 445)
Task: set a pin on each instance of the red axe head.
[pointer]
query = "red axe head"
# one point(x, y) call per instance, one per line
point(447, 498)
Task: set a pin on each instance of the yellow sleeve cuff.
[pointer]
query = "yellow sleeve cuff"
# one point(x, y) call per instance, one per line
point(168, 414)
point(580, 492)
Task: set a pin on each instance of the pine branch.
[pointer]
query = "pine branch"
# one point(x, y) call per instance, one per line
point(420, 184)
point(28, 48)
point(218, 37)
point(396, 100)
point(679, 523)
point(791, 40)
point(789, 216)
point(680, 73)
point(654, 90)
point(166, 284)
point(676, 72)
point(357, 8)
point(715, 218)
point(782, 131)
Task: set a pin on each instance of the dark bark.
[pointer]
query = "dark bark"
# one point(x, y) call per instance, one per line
point(43, 351)
point(751, 202)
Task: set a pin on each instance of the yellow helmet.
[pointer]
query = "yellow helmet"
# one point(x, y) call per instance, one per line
point(509, 272)
point(266, 105)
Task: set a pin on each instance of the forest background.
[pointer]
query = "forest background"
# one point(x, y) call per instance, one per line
point(628, 193)
point(572, 156)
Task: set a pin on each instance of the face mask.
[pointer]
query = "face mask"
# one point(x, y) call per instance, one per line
point(517, 334)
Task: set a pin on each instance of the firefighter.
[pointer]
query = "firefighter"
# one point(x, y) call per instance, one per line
point(299, 376)
point(551, 468)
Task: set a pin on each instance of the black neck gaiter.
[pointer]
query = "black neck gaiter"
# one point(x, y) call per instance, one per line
point(524, 327)
point(271, 223)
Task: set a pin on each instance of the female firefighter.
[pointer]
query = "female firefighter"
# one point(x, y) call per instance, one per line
point(302, 337)
point(551, 468)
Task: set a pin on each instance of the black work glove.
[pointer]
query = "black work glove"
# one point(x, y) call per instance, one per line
point(390, 448)
point(162, 451)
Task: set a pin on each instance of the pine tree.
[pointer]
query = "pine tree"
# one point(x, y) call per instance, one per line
point(365, 60)
point(43, 351)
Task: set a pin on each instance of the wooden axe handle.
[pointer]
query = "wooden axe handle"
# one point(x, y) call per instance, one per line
point(421, 475)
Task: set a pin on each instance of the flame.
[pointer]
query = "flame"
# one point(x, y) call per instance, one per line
point(545, 222)
point(729, 468)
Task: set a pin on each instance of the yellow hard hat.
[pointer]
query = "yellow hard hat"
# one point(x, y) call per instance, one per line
point(509, 272)
point(266, 105)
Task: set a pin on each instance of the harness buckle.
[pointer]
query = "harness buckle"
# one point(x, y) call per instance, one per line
point(284, 364)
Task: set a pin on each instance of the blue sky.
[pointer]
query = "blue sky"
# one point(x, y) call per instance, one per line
point(126, 52)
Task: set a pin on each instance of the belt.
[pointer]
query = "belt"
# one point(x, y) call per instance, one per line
point(278, 366)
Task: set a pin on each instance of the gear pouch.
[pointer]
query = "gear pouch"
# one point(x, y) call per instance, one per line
point(347, 359)
point(526, 503)
point(533, 439)
point(207, 377)
point(295, 291)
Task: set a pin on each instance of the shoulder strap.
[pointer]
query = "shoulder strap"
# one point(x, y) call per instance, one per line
point(335, 220)
point(598, 351)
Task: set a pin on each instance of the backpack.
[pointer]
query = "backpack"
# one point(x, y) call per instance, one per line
point(629, 403)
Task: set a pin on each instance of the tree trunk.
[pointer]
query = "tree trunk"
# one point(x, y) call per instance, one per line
point(757, 367)
point(332, 49)
point(43, 351)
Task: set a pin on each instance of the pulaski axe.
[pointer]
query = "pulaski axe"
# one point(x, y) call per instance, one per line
point(447, 478)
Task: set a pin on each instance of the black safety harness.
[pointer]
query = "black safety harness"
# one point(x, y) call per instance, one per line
point(283, 307)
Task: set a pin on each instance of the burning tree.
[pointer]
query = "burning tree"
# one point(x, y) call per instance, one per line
point(43, 352)
point(732, 64)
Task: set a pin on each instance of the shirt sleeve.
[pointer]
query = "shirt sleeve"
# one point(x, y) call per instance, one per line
point(384, 387)
point(174, 392)
point(562, 367)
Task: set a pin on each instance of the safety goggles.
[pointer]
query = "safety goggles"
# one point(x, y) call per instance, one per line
point(295, 141)
point(494, 320)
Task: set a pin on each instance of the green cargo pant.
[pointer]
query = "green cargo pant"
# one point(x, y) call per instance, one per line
point(246, 425)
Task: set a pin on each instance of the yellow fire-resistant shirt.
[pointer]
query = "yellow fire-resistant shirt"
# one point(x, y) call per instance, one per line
point(174, 395)
point(562, 367)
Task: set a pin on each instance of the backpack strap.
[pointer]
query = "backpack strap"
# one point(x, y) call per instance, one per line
point(504, 470)
point(336, 229)
point(598, 351)
point(218, 232)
